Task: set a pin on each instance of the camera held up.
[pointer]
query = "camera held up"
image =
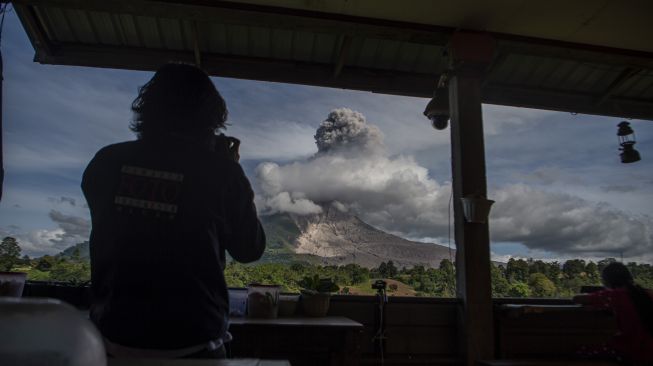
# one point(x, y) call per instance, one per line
point(228, 146)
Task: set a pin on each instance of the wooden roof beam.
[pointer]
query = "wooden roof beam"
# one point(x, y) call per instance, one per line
point(592, 55)
point(625, 75)
point(294, 19)
point(342, 55)
point(35, 32)
point(226, 12)
point(265, 69)
point(573, 102)
point(356, 78)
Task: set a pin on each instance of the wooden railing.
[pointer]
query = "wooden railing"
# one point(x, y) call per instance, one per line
point(417, 330)
point(424, 331)
point(549, 330)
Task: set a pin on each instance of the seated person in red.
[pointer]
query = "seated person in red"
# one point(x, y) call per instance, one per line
point(164, 210)
point(632, 306)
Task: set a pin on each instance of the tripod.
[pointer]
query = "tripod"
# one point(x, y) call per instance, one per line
point(382, 298)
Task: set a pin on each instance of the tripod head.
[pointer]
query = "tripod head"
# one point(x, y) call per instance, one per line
point(380, 287)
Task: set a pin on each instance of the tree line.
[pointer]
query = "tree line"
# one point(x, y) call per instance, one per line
point(536, 278)
point(516, 278)
point(72, 269)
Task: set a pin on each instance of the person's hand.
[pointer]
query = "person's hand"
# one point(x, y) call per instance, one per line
point(228, 146)
point(234, 148)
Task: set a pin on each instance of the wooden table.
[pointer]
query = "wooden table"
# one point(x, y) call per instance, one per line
point(331, 340)
point(193, 362)
point(324, 322)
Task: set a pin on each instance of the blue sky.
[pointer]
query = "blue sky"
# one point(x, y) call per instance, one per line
point(561, 191)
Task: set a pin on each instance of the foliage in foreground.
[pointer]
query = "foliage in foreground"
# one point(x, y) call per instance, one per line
point(9, 253)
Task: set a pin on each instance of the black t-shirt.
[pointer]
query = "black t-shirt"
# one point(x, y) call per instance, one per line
point(163, 214)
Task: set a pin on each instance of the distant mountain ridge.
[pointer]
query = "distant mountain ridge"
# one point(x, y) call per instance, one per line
point(335, 237)
point(84, 251)
point(332, 237)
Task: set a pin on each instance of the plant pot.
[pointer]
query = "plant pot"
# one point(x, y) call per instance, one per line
point(77, 295)
point(316, 304)
point(288, 305)
point(263, 301)
point(12, 283)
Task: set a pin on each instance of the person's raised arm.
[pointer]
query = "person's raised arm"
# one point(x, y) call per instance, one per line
point(582, 299)
point(597, 300)
point(94, 179)
point(245, 239)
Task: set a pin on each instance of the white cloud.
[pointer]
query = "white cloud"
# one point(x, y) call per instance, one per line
point(45, 215)
point(75, 229)
point(546, 256)
point(70, 230)
point(549, 175)
point(502, 258)
point(42, 241)
point(500, 119)
point(21, 158)
point(36, 243)
point(63, 200)
point(283, 202)
point(277, 140)
point(397, 194)
point(563, 223)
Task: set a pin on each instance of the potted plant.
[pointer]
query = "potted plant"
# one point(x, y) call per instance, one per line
point(316, 294)
point(263, 301)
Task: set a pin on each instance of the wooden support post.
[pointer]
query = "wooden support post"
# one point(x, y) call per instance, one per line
point(468, 165)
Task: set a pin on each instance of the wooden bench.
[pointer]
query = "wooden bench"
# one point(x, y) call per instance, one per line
point(549, 332)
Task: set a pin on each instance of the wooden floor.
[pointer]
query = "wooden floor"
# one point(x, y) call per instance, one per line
point(560, 362)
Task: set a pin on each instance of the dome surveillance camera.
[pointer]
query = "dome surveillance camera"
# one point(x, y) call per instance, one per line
point(439, 122)
point(438, 109)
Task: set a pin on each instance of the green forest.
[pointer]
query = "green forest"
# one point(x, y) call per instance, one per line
point(517, 278)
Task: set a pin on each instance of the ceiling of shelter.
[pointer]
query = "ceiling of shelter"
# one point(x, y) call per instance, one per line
point(584, 56)
point(610, 23)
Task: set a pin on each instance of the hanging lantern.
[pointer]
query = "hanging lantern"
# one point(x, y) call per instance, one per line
point(626, 137)
point(476, 208)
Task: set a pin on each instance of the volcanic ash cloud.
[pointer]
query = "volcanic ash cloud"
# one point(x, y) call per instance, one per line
point(347, 131)
point(352, 167)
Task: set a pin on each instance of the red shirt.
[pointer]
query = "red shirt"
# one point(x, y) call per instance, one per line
point(632, 339)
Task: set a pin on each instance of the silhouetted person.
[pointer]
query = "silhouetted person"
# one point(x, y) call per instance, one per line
point(164, 209)
point(632, 306)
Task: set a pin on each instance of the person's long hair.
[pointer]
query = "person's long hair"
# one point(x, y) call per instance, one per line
point(180, 99)
point(617, 275)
